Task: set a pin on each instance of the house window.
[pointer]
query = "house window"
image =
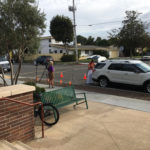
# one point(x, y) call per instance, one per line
point(55, 51)
point(50, 51)
point(49, 40)
point(86, 52)
point(61, 51)
point(49, 45)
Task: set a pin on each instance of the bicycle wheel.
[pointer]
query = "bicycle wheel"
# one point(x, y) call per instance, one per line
point(51, 114)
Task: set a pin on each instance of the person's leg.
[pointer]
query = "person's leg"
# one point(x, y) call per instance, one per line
point(87, 80)
point(49, 79)
point(52, 83)
point(90, 77)
point(49, 83)
point(52, 79)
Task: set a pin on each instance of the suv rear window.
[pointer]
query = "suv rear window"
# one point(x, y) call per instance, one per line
point(115, 66)
point(99, 65)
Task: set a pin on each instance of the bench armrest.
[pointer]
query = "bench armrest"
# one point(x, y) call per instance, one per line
point(80, 93)
point(85, 100)
point(84, 94)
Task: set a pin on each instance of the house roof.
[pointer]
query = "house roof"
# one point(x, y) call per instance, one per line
point(86, 47)
point(45, 37)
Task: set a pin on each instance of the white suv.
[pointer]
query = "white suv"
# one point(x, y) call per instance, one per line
point(132, 72)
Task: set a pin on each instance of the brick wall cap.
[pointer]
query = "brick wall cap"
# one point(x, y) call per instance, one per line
point(15, 90)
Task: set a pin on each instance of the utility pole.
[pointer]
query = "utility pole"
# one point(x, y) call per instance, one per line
point(73, 9)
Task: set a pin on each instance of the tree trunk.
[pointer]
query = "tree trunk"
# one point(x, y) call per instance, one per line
point(18, 71)
point(11, 70)
point(20, 56)
point(3, 77)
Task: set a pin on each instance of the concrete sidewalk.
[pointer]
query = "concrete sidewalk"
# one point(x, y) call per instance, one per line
point(110, 123)
point(131, 103)
point(101, 127)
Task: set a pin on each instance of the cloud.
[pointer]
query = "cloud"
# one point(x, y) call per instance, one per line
point(94, 12)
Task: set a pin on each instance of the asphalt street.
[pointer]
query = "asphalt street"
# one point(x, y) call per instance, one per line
point(73, 73)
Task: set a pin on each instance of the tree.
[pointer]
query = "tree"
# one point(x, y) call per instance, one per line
point(98, 41)
point(90, 41)
point(81, 39)
point(21, 22)
point(102, 42)
point(132, 35)
point(61, 29)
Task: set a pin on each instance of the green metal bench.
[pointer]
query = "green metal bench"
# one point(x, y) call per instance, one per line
point(64, 96)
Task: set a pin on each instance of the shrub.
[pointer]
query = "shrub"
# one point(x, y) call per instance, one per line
point(79, 53)
point(38, 90)
point(30, 83)
point(68, 58)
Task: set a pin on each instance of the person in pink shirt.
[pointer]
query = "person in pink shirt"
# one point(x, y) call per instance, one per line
point(91, 66)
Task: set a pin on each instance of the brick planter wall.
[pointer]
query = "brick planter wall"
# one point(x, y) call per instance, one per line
point(17, 120)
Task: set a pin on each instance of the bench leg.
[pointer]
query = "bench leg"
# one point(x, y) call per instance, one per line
point(55, 115)
point(76, 102)
point(86, 101)
point(86, 104)
point(74, 106)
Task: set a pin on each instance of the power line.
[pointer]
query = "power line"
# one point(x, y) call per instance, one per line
point(110, 22)
point(101, 23)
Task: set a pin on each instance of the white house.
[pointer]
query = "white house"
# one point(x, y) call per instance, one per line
point(87, 50)
point(47, 48)
point(48, 45)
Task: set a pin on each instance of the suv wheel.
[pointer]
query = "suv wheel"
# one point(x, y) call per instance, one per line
point(147, 87)
point(103, 82)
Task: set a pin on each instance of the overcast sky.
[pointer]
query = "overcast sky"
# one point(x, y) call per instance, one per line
point(103, 15)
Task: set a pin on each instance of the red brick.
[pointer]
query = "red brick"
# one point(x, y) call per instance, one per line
point(17, 120)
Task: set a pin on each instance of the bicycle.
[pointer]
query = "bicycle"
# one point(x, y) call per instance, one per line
point(51, 114)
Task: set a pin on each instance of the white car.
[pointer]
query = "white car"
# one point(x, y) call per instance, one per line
point(97, 58)
point(101, 58)
point(93, 56)
point(146, 58)
point(133, 72)
point(4, 64)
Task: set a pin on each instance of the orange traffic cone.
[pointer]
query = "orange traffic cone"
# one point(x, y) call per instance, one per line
point(61, 75)
point(70, 83)
point(84, 76)
point(61, 81)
